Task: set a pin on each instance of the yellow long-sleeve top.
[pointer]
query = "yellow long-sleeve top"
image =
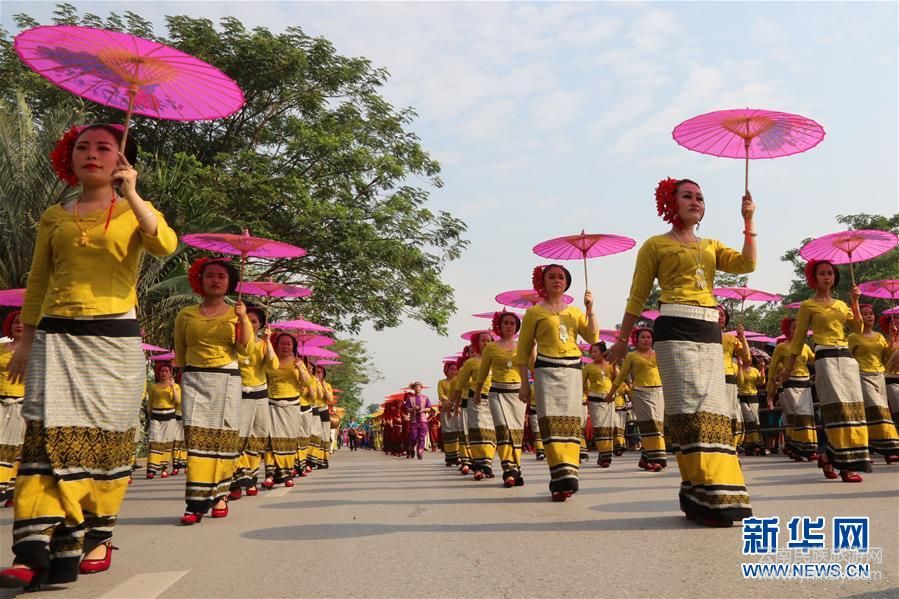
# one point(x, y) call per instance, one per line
point(871, 353)
point(70, 280)
point(731, 345)
point(800, 367)
point(556, 334)
point(162, 397)
point(284, 381)
point(255, 363)
point(208, 342)
point(326, 392)
point(749, 380)
point(314, 393)
point(828, 323)
point(444, 388)
point(8, 389)
point(674, 264)
point(621, 397)
point(644, 368)
point(498, 364)
point(466, 380)
point(597, 378)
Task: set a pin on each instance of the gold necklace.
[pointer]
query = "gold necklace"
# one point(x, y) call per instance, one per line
point(84, 240)
point(206, 313)
point(700, 272)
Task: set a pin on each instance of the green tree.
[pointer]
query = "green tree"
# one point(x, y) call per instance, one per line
point(316, 158)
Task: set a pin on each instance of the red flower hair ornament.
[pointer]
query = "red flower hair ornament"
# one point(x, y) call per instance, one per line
point(635, 334)
point(498, 321)
point(195, 273)
point(61, 156)
point(666, 201)
point(785, 325)
point(8, 321)
point(537, 278)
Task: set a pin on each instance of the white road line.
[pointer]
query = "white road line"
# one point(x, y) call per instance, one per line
point(149, 585)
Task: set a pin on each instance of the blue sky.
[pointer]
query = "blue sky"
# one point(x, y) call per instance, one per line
point(553, 117)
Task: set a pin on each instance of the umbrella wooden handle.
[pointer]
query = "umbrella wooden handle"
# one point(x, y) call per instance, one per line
point(132, 94)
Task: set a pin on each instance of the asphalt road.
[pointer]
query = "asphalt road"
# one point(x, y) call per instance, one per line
point(374, 526)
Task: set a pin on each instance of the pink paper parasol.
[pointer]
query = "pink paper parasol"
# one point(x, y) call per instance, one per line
point(761, 339)
point(745, 294)
point(272, 289)
point(884, 289)
point(243, 245)
point(153, 348)
point(583, 246)
point(12, 297)
point(847, 247)
point(163, 357)
point(300, 325)
point(129, 73)
point(793, 306)
point(891, 311)
point(524, 298)
point(316, 352)
point(317, 340)
point(748, 133)
point(650, 314)
point(327, 362)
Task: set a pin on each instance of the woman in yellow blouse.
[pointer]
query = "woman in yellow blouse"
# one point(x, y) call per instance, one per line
point(480, 434)
point(85, 376)
point(837, 379)
point(309, 443)
point(872, 351)
point(889, 325)
point(286, 375)
point(735, 348)
point(795, 396)
point(749, 377)
point(449, 422)
point(324, 416)
point(255, 417)
point(623, 406)
point(554, 327)
point(597, 377)
point(497, 363)
point(210, 339)
point(647, 398)
point(12, 424)
point(698, 410)
point(165, 394)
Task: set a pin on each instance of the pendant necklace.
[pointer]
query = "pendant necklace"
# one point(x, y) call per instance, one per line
point(700, 272)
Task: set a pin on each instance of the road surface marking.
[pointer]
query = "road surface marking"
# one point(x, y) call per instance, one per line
point(149, 585)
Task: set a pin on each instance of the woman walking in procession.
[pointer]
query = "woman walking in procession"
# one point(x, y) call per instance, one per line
point(86, 371)
point(553, 327)
point(698, 410)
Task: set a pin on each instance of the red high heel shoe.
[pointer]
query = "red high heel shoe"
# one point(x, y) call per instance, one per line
point(465, 469)
point(848, 477)
point(17, 576)
point(559, 497)
point(151, 475)
point(288, 483)
point(509, 481)
point(891, 459)
point(175, 472)
point(252, 492)
point(235, 494)
point(9, 503)
point(92, 566)
point(605, 463)
point(190, 518)
point(220, 512)
point(164, 474)
point(827, 467)
point(656, 467)
point(268, 484)
point(479, 475)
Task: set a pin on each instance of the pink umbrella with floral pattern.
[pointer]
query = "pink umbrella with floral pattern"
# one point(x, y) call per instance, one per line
point(129, 73)
point(748, 133)
point(583, 246)
point(847, 247)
